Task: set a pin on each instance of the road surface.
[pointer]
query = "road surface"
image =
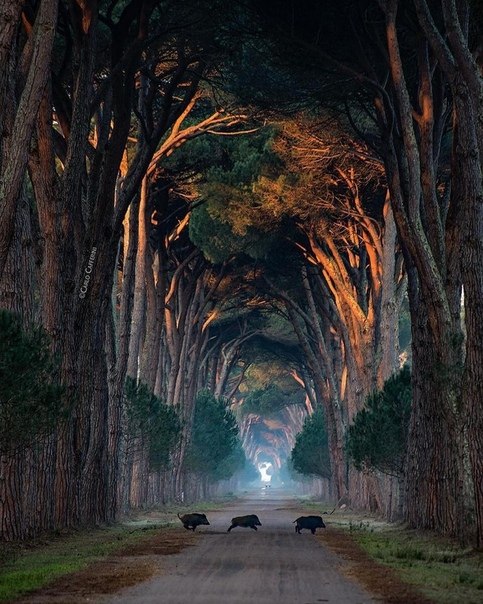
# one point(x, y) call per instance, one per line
point(273, 565)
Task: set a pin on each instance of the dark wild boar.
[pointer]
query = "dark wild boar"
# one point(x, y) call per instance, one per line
point(250, 521)
point(309, 522)
point(191, 521)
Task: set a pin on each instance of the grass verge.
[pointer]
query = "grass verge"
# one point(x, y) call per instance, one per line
point(121, 555)
point(432, 568)
point(29, 567)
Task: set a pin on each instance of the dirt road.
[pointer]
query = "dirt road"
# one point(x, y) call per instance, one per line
point(271, 566)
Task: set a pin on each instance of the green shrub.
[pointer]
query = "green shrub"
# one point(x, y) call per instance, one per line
point(31, 399)
point(378, 437)
point(214, 451)
point(157, 423)
point(310, 455)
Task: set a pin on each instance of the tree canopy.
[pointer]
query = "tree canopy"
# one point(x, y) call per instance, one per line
point(250, 206)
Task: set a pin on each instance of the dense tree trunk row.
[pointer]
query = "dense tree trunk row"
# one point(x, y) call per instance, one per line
point(416, 76)
point(432, 237)
point(94, 247)
point(83, 181)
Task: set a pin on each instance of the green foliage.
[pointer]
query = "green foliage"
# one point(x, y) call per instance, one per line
point(310, 455)
point(268, 400)
point(235, 161)
point(232, 220)
point(232, 464)
point(157, 423)
point(444, 572)
point(378, 437)
point(214, 232)
point(31, 400)
point(214, 451)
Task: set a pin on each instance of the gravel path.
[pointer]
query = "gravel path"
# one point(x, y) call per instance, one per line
point(273, 565)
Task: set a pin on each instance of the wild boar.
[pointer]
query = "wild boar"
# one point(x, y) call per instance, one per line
point(251, 521)
point(309, 522)
point(191, 521)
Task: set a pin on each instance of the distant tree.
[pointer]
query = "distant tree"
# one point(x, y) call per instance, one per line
point(159, 424)
point(270, 399)
point(249, 472)
point(310, 455)
point(30, 398)
point(214, 439)
point(235, 462)
point(378, 437)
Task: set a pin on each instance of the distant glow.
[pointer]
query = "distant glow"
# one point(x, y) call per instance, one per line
point(264, 469)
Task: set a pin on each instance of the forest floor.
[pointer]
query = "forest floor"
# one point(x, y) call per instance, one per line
point(395, 565)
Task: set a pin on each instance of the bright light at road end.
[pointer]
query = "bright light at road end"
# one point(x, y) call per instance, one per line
point(264, 469)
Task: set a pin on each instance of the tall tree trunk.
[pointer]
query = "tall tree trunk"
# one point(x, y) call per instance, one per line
point(434, 469)
point(18, 139)
point(18, 284)
point(435, 453)
point(118, 369)
point(138, 312)
point(323, 396)
point(471, 175)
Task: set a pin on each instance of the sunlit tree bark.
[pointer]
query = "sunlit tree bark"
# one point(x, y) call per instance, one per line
point(353, 289)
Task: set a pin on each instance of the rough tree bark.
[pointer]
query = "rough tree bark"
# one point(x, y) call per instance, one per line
point(464, 74)
point(435, 473)
point(19, 130)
